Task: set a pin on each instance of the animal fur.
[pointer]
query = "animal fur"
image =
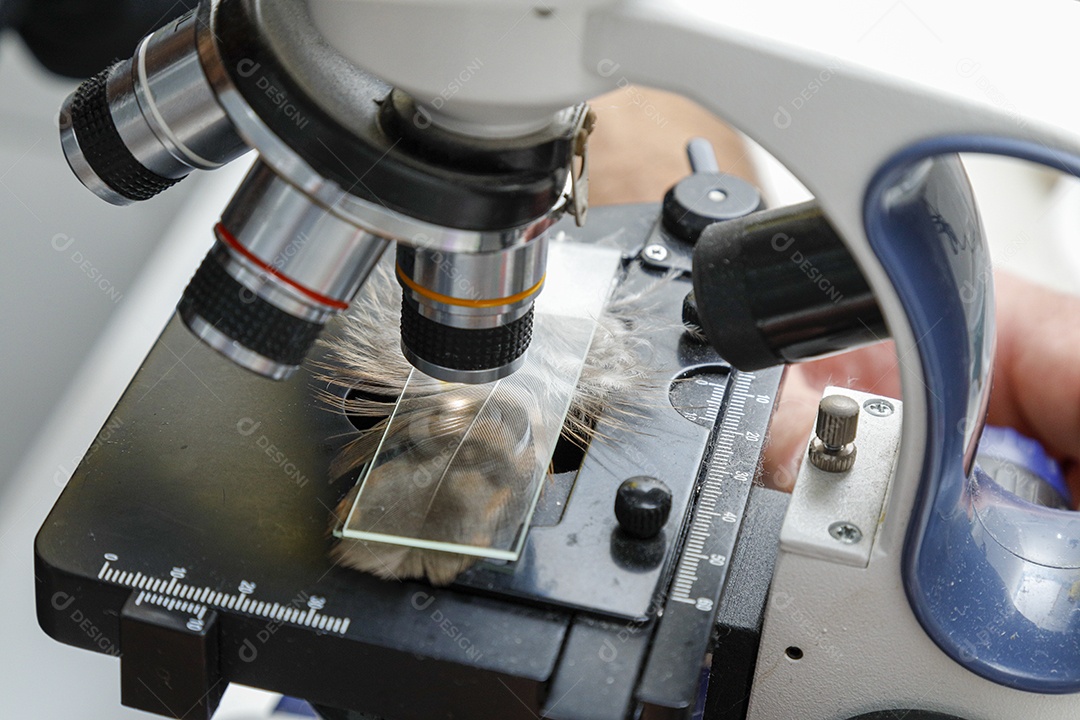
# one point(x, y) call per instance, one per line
point(474, 495)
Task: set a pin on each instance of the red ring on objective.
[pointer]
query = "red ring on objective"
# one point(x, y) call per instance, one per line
point(232, 242)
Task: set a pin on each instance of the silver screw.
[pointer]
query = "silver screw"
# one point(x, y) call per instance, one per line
point(845, 532)
point(656, 253)
point(879, 407)
point(832, 448)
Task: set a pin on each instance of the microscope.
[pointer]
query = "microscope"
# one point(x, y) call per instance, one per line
point(899, 580)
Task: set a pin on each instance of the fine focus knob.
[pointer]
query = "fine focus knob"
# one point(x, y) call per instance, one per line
point(833, 446)
point(642, 506)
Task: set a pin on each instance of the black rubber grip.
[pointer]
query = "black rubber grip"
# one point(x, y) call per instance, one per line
point(103, 148)
point(461, 349)
point(235, 311)
point(779, 286)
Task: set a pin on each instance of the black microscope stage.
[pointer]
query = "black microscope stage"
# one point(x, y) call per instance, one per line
point(193, 541)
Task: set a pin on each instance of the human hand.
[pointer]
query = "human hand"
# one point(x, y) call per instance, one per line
point(1036, 380)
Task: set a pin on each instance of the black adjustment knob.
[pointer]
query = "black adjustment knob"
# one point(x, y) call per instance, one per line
point(642, 506)
point(699, 200)
point(169, 660)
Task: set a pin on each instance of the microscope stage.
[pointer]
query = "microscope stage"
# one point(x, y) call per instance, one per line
point(193, 540)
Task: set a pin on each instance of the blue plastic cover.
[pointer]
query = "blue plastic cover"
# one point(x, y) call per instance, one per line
point(994, 580)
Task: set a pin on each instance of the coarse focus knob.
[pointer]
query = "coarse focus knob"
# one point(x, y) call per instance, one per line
point(642, 506)
point(833, 447)
point(780, 286)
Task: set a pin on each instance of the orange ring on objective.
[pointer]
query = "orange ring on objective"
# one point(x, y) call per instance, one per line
point(460, 302)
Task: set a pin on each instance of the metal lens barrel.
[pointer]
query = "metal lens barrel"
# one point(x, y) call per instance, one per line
point(140, 126)
point(468, 317)
point(282, 266)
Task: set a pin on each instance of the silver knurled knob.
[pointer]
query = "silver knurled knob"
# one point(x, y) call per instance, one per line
point(832, 448)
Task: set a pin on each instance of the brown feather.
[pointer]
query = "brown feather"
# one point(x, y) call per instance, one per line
point(364, 357)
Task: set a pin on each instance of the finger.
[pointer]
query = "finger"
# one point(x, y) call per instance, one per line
point(872, 369)
point(796, 407)
point(1037, 377)
point(1071, 469)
